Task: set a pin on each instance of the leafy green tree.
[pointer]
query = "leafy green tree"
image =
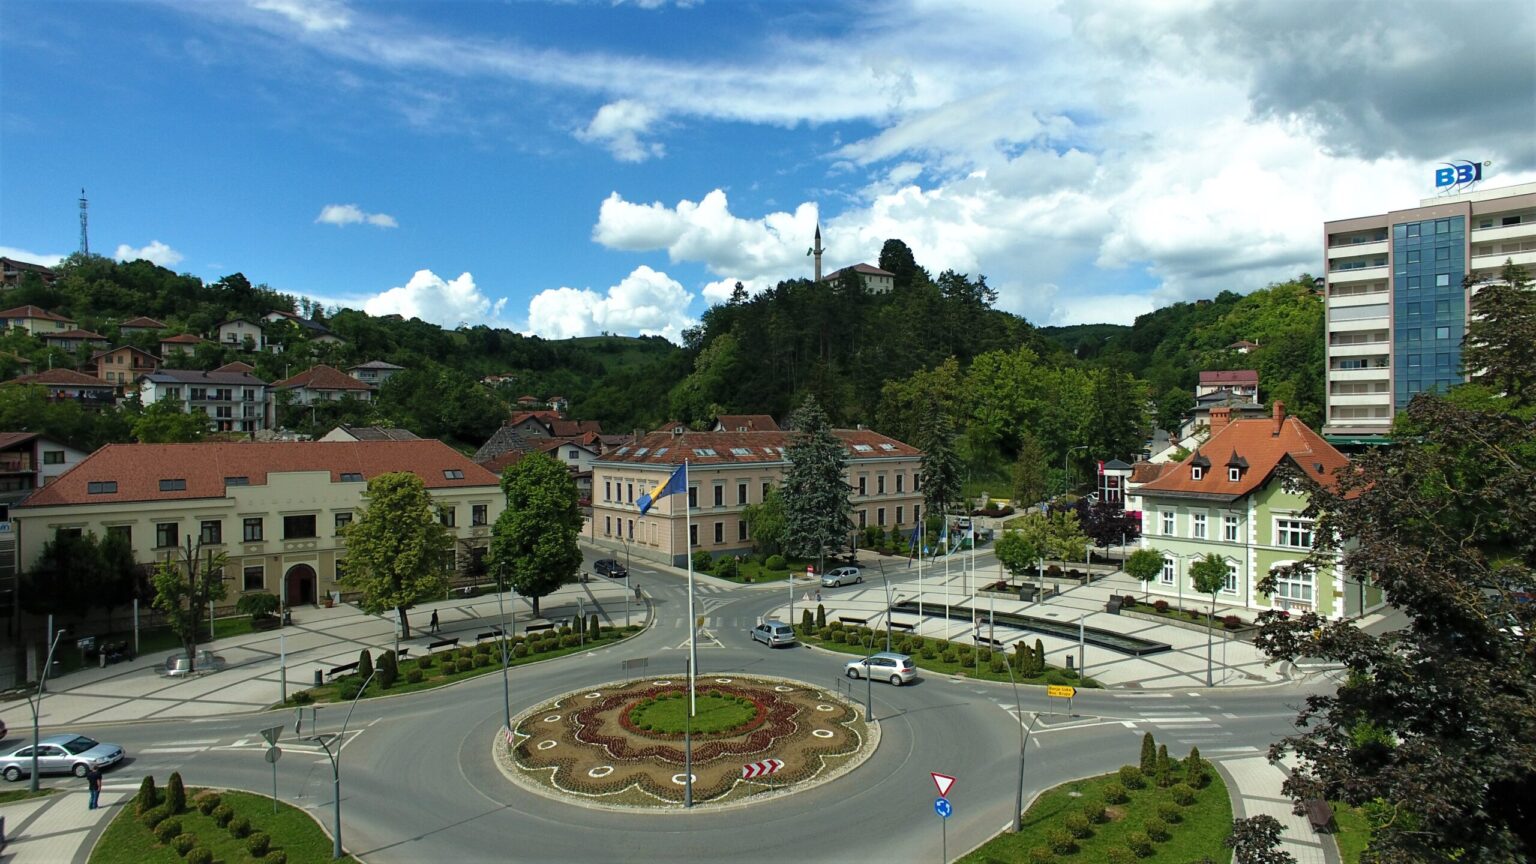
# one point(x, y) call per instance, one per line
point(765, 523)
point(1144, 565)
point(1209, 575)
point(533, 543)
point(1019, 551)
point(397, 550)
point(816, 507)
point(164, 422)
point(1255, 840)
point(66, 577)
point(1500, 348)
point(186, 582)
point(1031, 474)
point(940, 471)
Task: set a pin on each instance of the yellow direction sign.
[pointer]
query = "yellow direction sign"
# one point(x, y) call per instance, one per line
point(1060, 691)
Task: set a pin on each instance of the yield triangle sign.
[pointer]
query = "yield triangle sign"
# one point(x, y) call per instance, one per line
point(943, 781)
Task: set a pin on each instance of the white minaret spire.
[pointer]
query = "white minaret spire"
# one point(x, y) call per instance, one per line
point(817, 250)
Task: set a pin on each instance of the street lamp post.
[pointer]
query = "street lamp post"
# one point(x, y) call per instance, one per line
point(886, 581)
point(36, 703)
point(1018, 792)
point(335, 757)
point(506, 649)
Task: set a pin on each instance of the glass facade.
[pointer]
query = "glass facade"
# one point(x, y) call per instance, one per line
point(1428, 305)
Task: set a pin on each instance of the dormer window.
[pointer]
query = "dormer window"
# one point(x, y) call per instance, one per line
point(1196, 472)
point(1236, 465)
point(1234, 474)
point(1198, 466)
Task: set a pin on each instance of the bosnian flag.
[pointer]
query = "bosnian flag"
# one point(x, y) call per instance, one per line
point(678, 482)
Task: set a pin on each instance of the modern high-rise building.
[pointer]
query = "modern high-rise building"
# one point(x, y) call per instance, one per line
point(1397, 308)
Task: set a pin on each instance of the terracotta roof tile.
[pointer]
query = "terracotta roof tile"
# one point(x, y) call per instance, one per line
point(74, 334)
point(236, 366)
point(61, 378)
point(1230, 376)
point(1256, 442)
point(724, 448)
point(746, 423)
point(138, 468)
point(30, 311)
point(322, 377)
point(143, 323)
point(11, 439)
point(183, 339)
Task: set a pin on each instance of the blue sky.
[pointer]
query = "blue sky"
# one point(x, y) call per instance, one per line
point(574, 167)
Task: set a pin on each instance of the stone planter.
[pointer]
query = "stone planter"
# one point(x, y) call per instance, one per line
point(1245, 632)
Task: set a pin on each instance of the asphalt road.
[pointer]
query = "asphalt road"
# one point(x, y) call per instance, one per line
point(419, 784)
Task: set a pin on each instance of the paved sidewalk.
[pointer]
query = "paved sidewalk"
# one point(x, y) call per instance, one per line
point(1255, 790)
point(318, 640)
point(59, 828)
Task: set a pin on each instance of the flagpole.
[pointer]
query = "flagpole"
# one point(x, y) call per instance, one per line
point(946, 576)
point(693, 622)
point(922, 538)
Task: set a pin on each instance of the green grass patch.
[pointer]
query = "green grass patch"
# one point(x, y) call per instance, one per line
point(128, 841)
point(11, 796)
point(939, 666)
point(1200, 831)
point(716, 712)
point(754, 571)
point(444, 668)
point(1353, 832)
point(152, 640)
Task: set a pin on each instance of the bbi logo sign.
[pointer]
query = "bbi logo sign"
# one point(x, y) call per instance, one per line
point(1459, 173)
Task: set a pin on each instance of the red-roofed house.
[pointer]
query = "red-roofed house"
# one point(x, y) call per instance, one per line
point(123, 365)
point(35, 320)
point(728, 471)
point(1227, 499)
point(745, 423)
point(322, 384)
point(1241, 382)
point(141, 324)
point(183, 343)
point(67, 384)
point(69, 340)
point(275, 509)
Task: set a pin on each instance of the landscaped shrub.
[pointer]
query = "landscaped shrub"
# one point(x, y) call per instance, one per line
point(276, 856)
point(206, 801)
point(569, 641)
point(1093, 811)
point(950, 656)
point(998, 664)
point(565, 630)
point(154, 816)
point(1231, 622)
point(929, 652)
point(702, 561)
point(836, 625)
point(240, 827)
point(200, 855)
point(1114, 793)
point(147, 798)
point(364, 664)
point(1053, 572)
point(1078, 825)
point(426, 661)
point(595, 630)
point(482, 660)
point(350, 688)
point(1130, 775)
point(175, 794)
point(1182, 794)
point(839, 636)
point(1128, 601)
point(520, 650)
point(463, 664)
point(776, 564)
point(1139, 842)
point(1148, 754)
point(414, 676)
point(222, 814)
point(1160, 605)
point(258, 843)
point(1041, 855)
point(1169, 812)
point(389, 669)
point(1195, 769)
point(1156, 828)
point(167, 830)
point(821, 615)
point(727, 568)
point(1061, 840)
point(1119, 855)
point(483, 648)
point(183, 843)
point(1164, 771)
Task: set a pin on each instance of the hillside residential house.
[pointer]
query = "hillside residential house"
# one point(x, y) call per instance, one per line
point(529, 401)
point(69, 340)
point(745, 423)
point(1243, 346)
point(275, 509)
point(237, 366)
point(875, 280)
point(69, 385)
point(575, 455)
point(1243, 383)
point(322, 384)
point(242, 334)
point(35, 320)
point(374, 372)
point(11, 272)
point(140, 324)
point(369, 433)
point(1226, 498)
point(178, 345)
point(233, 401)
point(123, 365)
point(728, 471)
point(313, 330)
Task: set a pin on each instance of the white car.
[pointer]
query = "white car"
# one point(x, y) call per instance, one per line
point(840, 576)
point(59, 754)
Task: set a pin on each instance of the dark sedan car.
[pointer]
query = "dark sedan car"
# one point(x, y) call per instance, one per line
point(610, 568)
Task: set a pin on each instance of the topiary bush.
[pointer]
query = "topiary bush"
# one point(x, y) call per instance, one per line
point(776, 563)
point(206, 801)
point(240, 827)
point(482, 660)
point(426, 661)
point(175, 794)
point(222, 814)
point(258, 844)
point(1169, 812)
point(1114, 793)
point(1156, 828)
point(167, 830)
point(1061, 841)
point(1077, 825)
point(1160, 605)
point(929, 652)
point(350, 688)
point(1093, 811)
point(1130, 775)
point(389, 669)
point(950, 656)
point(276, 856)
point(200, 855)
point(1148, 754)
point(147, 798)
point(998, 665)
point(519, 650)
point(364, 664)
point(1119, 855)
point(1139, 843)
point(463, 664)
point(181, 844)
point(1040, 855)
point(154, 816)
point(415, 676)
point(1183, 794)
point(1195, 769)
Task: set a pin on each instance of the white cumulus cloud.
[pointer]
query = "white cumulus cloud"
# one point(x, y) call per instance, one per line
point(751, 250)
point(46, 259)
point(351, 214)
point(431, 298)
point(647, 302)
point(619, 126)
point(156, 252)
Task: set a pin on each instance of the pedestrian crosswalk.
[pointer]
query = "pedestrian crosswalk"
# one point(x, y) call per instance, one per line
point(1183, 726)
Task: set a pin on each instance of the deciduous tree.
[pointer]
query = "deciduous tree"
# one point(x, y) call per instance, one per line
point(186, 582)
point(1144, 565)
point(533, 544)
point(765, 522)
point(397, 550)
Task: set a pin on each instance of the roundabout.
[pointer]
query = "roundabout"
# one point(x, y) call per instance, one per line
point(625, 744)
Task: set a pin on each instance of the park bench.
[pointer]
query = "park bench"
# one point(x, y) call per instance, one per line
point(535, 628)
point(442, 643)
point(1319, 813)
point(901, 625)
point(342, 669)
point(403, 653)
point(862, 622)
point(493, 633)
point(989, 642)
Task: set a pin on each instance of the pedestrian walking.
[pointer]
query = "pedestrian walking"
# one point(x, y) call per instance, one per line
point(93, 782)
point(433, 626)
point(818, 595)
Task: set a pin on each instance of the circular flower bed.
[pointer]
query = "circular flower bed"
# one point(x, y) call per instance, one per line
point(627, 746)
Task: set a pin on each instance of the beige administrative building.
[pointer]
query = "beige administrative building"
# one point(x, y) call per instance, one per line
point(727, 472)
point(275, 509)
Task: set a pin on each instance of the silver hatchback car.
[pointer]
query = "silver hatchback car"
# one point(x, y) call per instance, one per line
point(840, 576)
point(884, 666)
point(59, 754)
point(773, 634)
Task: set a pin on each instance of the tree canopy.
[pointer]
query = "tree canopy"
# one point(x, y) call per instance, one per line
point(817, 511)
point(397, 549)
point(533, 544)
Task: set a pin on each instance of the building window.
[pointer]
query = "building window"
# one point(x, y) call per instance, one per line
point(863, 486)
point(351, 477)
point(719, 496)
point(165, 534)
point(607, 490)
point(212, 532)
point(342, 521)
point(176, 485)
point(68, 532)
point(1196, 472)
point(1234, 474)
point(101, 487)
point(1169, 570)
point(1443, 280)
point(1168, 523)
point(1197, 524)
point(448, 515)
point(741, 530)
point(1230, 585)
point(880, 484)
point(1229, 529)
point(1295, 533)
point(453, 474)
point(719, 532)
point(631, 529)
point(53, 457)
point(607, 526)
point(880, 516)
point(693, 535)
point(898, 515)
point(901, 480)
point(741, 493)
point(252, 531)
point(766, 487)
point(298, 527)
point(1294, 585)
point(479, 514)
point(255, 578)
point(863, 518)
point(1442, 332)
point(629, 489)
point(121, 532)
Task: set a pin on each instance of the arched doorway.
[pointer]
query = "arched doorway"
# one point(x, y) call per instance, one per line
point(301, 584)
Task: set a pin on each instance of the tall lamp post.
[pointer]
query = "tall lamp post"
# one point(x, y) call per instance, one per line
point(886, 581)
point(339, 740)
point(506, 644)
point(36, 703)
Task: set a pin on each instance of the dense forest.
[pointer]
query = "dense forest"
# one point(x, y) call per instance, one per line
point(1020, 398)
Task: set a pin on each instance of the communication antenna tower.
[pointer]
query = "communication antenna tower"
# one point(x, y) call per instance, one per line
point(85, 243)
